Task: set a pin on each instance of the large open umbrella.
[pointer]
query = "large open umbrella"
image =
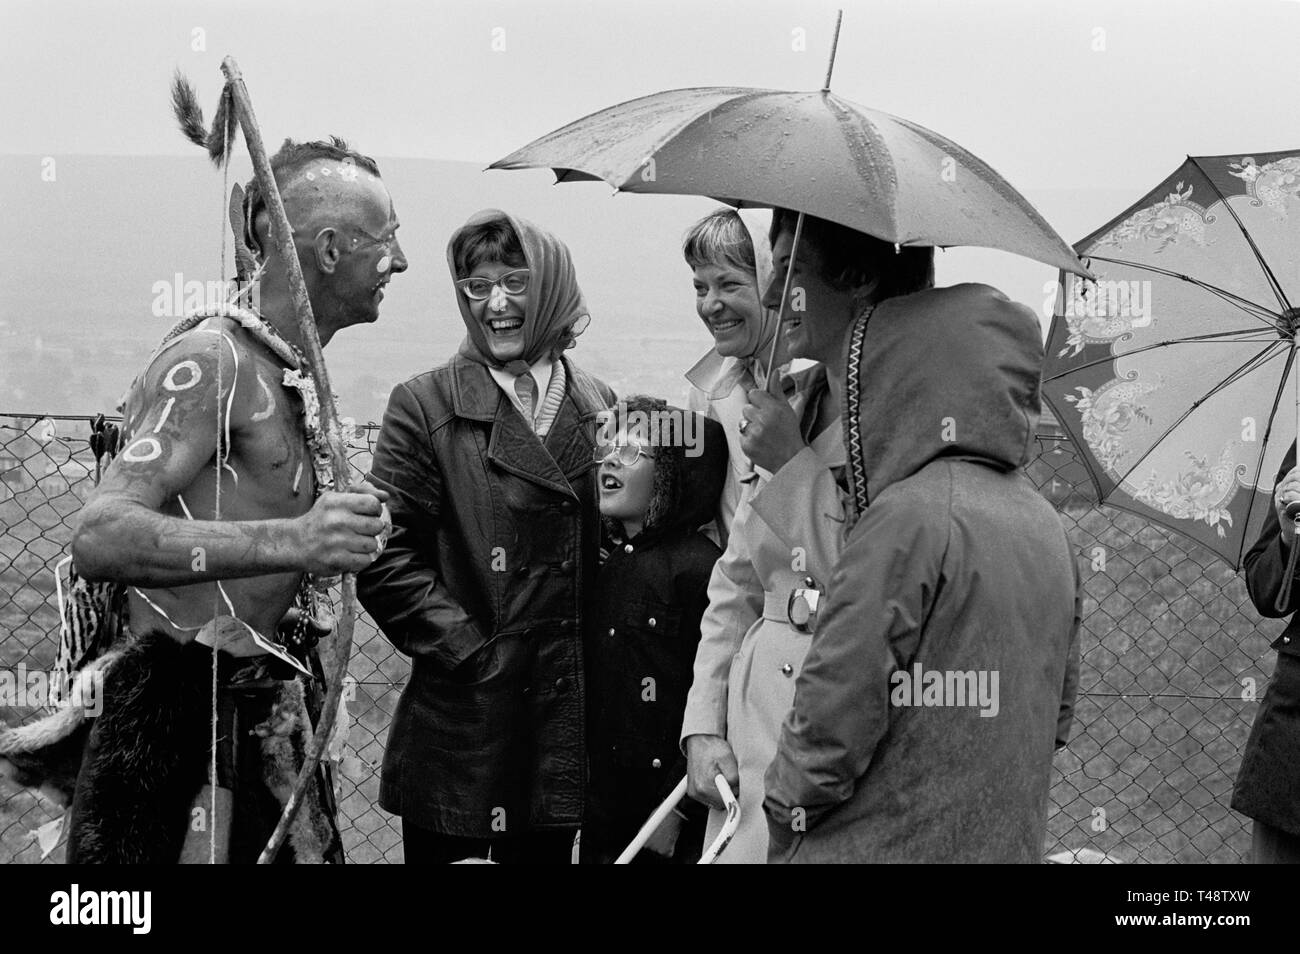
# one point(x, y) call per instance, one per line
point(813, 152)
point(1174, 371)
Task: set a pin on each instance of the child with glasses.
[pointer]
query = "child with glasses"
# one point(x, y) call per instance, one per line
point(661, 470)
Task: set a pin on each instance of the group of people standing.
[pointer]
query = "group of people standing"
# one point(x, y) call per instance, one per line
point(586, 627)
point(834, 586)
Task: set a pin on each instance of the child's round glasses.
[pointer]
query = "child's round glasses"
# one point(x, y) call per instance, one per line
point(626, 454)
point(478, 289)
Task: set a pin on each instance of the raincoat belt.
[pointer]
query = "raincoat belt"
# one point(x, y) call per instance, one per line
point(776, 606)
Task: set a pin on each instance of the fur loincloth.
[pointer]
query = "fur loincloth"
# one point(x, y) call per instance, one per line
point(148, 757)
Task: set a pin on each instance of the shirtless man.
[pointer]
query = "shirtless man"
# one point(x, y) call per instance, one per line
point(210, 511)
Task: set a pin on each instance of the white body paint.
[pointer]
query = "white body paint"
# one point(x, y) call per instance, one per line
point(167, 409)
point(143, 450)
point(268, 408)
point(196, 375)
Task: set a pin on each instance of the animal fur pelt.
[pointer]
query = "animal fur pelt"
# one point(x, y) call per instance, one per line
point(143, 766)
point(46, 753)
point(148, 755)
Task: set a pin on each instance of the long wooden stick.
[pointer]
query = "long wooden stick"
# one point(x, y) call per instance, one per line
point(328, 424)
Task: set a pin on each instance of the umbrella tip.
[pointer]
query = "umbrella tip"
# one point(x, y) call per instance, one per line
point(835, 42)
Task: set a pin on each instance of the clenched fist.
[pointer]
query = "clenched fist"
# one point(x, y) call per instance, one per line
point(343, 532)
point(769, 432)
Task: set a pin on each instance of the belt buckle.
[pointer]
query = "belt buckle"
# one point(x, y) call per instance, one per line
point(801, 608)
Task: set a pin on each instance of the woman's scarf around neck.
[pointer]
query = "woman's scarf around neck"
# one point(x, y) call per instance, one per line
point(556, 312)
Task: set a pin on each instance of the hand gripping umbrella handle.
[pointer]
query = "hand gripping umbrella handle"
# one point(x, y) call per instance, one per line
point(729, 825)
point(657, 817)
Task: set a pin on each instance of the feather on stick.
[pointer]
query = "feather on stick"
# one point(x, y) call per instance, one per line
point(185, 105)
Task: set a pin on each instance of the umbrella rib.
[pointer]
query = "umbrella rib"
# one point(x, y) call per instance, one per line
point(1194, 339)
point(1240, 372)
point(1263, 451)
point(1230, 297)
point(1259, 256)
point(860, 146)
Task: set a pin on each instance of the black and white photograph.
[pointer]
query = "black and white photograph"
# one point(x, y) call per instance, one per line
point(662, 433)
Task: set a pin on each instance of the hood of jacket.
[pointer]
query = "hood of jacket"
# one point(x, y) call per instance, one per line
point(945, 372)
point(688, 480)
point(556, 312)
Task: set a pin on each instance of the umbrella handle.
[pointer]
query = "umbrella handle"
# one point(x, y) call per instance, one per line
point(773, 385)
point(729, 825)
point(653, 822)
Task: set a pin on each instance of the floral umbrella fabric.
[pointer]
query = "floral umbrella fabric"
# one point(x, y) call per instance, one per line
point(1175, 369)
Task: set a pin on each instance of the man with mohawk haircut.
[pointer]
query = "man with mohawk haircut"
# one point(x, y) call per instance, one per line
point(214, 516)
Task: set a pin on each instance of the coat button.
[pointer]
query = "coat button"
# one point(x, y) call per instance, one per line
point(562, 684)
point(787, 670)
point(523, 570)
point(651, 621)
point(566, 567)
point(1286, 639)
point(611, 631)
point(655, 763)
point(627, 548)
point(566, 506)
point(566, 625)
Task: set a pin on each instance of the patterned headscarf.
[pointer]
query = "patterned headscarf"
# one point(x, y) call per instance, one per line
point(556, 313)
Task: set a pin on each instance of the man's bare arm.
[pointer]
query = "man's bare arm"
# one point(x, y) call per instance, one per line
point(123, 536)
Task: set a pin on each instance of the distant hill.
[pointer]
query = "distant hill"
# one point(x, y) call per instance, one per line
point(81, 256)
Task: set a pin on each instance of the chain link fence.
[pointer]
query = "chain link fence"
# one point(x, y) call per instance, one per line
point(1174, 657)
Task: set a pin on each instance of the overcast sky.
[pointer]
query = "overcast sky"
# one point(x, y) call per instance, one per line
point(1051, 93)
point(1084, 105)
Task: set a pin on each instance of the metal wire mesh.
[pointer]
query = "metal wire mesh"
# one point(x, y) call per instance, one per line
point(1174, 657)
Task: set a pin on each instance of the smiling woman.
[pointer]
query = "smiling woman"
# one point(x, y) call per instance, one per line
point(488, 573)
point(731, 264)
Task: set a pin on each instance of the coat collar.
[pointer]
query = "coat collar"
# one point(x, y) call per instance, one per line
point(715, 375)
point(569, 448)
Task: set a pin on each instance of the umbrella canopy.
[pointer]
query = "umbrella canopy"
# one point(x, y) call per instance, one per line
point(1174, 371)
point(814, 152)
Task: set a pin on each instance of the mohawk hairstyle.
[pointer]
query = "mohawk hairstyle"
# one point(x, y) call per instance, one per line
point(292, 157)
point(217, 140)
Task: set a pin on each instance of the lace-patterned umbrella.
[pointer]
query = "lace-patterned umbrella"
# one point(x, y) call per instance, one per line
point(1174, 371)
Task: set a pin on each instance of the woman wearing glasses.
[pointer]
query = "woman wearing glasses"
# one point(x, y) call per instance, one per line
point(490, 468)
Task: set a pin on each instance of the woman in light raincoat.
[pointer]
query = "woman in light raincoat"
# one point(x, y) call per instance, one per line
point(731, 265)
point(788, 523)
